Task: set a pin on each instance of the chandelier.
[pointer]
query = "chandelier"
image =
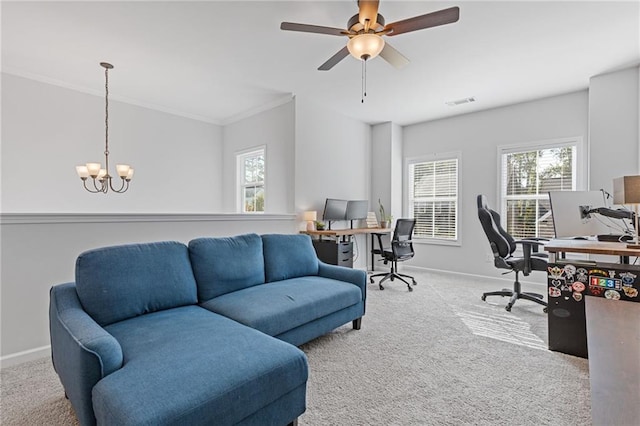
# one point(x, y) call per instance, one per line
point(100, 177)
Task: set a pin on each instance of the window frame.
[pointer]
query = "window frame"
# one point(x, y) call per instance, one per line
point(241, 185)
point(409, 161)
point(580, 165)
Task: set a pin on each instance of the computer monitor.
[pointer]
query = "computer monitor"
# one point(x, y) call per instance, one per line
point(568, 213)
point(357, 210)
point(334, 210)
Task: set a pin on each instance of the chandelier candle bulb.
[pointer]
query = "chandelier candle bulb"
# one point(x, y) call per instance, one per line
point(82, 172)
point(123, 170)
point(93, 169)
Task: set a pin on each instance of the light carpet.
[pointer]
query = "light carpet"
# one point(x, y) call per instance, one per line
point(434, 356)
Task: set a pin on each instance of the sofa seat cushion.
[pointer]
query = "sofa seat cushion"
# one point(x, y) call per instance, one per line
point(190, 366)
point(280, 306)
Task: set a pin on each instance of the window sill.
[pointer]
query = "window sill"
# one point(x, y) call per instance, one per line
point(437, 242)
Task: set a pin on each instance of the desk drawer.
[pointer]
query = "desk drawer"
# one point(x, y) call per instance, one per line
point(335, 253)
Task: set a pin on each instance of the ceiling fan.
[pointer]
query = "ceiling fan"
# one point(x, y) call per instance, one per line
point(365, 31)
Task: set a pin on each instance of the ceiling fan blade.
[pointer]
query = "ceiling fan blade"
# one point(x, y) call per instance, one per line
point(434, 19)
point(395, 58)
point(342, 53)
point(368, 9)
point(305, 28)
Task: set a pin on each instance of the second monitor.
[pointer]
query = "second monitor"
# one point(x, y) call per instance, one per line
point(336, 209)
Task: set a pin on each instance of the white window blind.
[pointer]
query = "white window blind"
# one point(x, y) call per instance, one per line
point(433, 198)
point(527, 176)
point(251, 178)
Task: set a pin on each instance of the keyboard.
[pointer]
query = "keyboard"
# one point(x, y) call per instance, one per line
point(614, 238)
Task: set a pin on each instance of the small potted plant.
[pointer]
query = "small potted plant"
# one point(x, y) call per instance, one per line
point(319, 225)
point(385, 219)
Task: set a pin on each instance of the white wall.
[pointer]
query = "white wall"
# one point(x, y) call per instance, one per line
point(332, 160)
point(275, 130)
point(477, 136)
point(386, 166)
point(613, 126)
point(47, 130)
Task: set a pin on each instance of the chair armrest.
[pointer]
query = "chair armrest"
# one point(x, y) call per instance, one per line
point(82, 351)
point(341, 273)
point(527, 245)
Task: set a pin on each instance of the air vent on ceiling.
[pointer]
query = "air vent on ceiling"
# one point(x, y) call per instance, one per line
point(461, 101)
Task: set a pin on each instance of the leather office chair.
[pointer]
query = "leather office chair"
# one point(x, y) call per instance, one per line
point(401, 249)
point(503, 245)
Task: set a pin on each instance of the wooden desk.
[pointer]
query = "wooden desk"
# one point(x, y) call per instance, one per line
point(613, 335)
point(590, 247)
point(344, 234)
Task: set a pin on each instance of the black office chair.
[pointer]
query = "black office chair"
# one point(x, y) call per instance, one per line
point(503, 245)
point(401, 249)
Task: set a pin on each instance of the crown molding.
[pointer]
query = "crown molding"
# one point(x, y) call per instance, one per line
point(123, 99)
point(257, 110)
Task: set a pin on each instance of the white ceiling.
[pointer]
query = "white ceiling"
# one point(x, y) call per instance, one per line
point(217, 61)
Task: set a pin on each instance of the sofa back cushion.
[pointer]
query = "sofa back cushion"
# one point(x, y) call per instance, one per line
point(121, 282)
point(288, 256)
point(223, 265)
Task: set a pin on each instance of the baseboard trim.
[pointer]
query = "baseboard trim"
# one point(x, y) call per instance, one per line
point(24, 356)
point(466, 274)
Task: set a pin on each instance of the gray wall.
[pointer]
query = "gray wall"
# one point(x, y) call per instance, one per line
point(478, 136)
point(613, 126)
point(47, 130)
point(332, 160)
point(275, 130)
point(40, 251)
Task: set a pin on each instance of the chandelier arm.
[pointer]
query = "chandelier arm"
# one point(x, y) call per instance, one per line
point(84, 183)
point(123, 187)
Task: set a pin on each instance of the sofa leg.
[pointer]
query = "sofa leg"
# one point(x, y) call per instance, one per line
point(357, 323)
point(294, 422)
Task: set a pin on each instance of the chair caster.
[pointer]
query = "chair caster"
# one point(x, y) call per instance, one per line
point(381, 287)
point(371, 279)
point(483, 298)
point(545, 310)
point(508, 308)
point(410, 288)
point(414, 282)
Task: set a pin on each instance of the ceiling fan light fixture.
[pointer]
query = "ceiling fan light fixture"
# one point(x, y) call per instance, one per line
point(365, 46)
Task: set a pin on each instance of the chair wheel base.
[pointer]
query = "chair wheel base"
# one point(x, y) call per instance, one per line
point(381, 286)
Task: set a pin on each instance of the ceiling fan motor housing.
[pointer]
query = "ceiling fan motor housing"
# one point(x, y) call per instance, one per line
point(355, 26)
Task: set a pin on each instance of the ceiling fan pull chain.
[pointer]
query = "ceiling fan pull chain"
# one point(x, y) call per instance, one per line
point(363, 84)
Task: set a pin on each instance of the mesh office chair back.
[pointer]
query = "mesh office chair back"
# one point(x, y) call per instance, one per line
point(403, 247)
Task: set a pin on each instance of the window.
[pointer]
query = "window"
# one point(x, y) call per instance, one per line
point(433, 196)
point(528, 173)
point(251, 175)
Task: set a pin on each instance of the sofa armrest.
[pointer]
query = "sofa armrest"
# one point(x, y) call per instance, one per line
point(82, 351)
point(341, 273)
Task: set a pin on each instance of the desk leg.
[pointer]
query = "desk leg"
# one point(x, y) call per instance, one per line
point(372, 255)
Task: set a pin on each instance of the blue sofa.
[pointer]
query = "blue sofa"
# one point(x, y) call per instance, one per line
point(165, 334)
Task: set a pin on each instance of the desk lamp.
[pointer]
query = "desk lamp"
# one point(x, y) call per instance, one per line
point(310, 217)
point(626, 190)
